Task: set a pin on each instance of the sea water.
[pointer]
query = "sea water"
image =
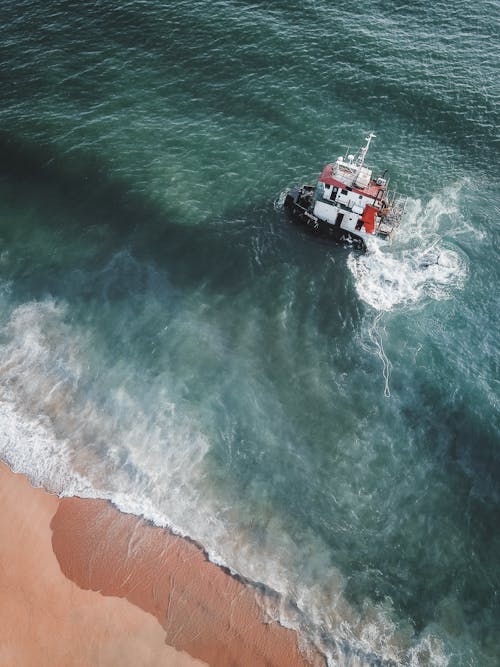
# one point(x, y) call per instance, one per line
point(324, 423)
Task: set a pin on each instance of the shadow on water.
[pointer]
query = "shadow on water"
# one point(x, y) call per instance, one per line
point(85, 216)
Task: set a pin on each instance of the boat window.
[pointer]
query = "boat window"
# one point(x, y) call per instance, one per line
point(344, 192)
point(320, 190)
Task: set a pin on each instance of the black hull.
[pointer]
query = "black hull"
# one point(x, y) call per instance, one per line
point(298, 211)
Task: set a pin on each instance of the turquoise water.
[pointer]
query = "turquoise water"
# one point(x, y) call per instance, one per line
point(324, 423)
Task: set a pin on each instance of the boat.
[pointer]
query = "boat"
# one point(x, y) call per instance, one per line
point(347, 203)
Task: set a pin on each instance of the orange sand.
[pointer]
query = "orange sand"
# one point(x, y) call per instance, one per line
point(47, 620)
point(131, 572)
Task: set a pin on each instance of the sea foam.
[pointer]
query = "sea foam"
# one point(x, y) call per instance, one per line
point(59, 434)
point(423, 262)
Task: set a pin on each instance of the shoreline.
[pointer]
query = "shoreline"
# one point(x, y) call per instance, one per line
point(89, 580)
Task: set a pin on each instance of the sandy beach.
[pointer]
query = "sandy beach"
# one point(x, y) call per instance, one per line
point(82, 584)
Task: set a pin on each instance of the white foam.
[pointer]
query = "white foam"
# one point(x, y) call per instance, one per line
point(375, 336)
point(423, 263)
point(65, 434)
point(152, 463)
point(28, 446)
point(279, 202)
point(427, 651)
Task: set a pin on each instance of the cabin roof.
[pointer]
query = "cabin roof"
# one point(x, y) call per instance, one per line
point(344, 178)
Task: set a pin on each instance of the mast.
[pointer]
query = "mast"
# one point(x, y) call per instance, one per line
point(364, 150)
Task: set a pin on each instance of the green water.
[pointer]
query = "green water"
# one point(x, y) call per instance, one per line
point(322, 422)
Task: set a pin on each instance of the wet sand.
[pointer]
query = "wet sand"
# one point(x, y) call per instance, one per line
point(82, 584)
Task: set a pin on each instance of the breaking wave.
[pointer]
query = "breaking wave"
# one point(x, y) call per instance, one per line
point(78, 433)
point(63, 434)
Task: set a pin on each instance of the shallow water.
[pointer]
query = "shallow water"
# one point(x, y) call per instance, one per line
point(323, 422)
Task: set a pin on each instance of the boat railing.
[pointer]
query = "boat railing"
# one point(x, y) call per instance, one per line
point(397, 207)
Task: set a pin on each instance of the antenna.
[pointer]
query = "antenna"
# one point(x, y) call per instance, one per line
point(364, 150)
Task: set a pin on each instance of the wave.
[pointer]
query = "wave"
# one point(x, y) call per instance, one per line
point(80, 435)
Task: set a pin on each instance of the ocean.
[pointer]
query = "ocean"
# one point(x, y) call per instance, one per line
point(325, 423)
